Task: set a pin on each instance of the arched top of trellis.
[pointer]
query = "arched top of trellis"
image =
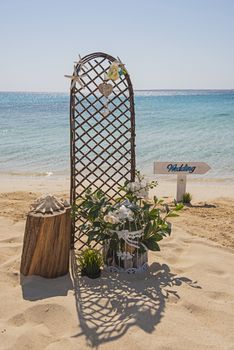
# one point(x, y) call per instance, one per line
point(102, 129)
point(98, 63)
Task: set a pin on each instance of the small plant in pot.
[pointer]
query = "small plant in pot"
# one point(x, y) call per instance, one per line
point(90, 263)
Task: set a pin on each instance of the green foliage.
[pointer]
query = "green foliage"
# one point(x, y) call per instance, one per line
point(187, 197)
point(90, 262)
point(104, 218)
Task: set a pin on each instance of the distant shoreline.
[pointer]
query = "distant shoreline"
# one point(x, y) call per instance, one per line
point(67, 92)
point(201, 189)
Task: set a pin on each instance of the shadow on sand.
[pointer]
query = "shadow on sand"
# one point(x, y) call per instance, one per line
point(205, 205)
point(37, 288)
point(109, 306)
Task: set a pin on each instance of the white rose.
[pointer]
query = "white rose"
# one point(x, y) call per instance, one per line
point(142, 190)
point(111, 219)
point(124, 213)
point(130, 215)
point(133, 186)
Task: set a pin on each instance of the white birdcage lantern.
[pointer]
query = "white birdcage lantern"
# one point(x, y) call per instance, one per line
point(129, 254)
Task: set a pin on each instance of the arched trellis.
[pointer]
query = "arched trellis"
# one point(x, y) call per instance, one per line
point(102, 141)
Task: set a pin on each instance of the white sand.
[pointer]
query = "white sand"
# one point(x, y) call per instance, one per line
point(185, 301)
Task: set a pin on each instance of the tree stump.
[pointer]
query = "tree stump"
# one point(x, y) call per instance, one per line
point(46, 244)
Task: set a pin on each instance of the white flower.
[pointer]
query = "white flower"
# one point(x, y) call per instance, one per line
point(124, 213)
point(143, 192)
point(139, 188)
point(112, 219)
point(133, 186)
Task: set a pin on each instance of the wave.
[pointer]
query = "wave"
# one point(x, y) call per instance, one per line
point(29, 174)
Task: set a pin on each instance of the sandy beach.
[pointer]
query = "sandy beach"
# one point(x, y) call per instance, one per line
point(92, 94)
point(185, 300)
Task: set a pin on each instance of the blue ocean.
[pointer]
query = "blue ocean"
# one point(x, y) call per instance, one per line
point(171, 125)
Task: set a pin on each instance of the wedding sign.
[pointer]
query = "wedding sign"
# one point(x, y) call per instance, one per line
point(181, 169)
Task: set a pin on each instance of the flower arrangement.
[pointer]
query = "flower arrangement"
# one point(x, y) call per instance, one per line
point(127, 227)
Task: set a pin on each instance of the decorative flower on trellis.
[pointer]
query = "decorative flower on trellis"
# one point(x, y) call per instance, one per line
point(117, 68)
point(113, 72)
point(122, 68)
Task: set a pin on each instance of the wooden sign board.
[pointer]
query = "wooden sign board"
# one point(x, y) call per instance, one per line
point(187, 168)
point(181, 169)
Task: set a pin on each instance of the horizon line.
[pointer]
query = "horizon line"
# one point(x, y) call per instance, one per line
point(173, 89)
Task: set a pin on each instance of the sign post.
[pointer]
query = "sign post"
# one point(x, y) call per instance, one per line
point(181, 169)
point(181, 186)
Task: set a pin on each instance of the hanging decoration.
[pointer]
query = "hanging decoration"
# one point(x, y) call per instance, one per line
point(113, 72)
point(117, 68)
point(122, 68)
point(105, 89)
point(75, 78)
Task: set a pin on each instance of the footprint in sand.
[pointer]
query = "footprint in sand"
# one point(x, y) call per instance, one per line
point(17, 320)
point(219, 296)
point(54, 316)
point(217, 272)
point(40, 324)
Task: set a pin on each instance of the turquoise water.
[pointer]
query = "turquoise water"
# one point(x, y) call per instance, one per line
point(172, 125)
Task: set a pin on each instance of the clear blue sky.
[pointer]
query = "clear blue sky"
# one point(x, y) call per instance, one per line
point(165, 44)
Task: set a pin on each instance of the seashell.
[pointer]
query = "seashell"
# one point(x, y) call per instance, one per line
point(65, 203)
point(48, 205)
point(105, 89)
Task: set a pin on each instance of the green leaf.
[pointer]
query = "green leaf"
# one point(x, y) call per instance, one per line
point(147, 230)
point(179, 206)
point(157, 236)
point(151, 244)
point(146, 206)
point(154, 213)
point(171, 214)
point(155, 200)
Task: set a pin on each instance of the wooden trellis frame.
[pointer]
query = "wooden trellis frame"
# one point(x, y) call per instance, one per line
point(102, 147)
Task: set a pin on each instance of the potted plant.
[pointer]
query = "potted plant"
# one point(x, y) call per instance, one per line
point(127, 227)
point(90, 262)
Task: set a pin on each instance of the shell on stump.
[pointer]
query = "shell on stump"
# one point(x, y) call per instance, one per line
point(46, 244)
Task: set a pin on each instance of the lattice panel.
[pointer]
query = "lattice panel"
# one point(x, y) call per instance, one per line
point(102, 146)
